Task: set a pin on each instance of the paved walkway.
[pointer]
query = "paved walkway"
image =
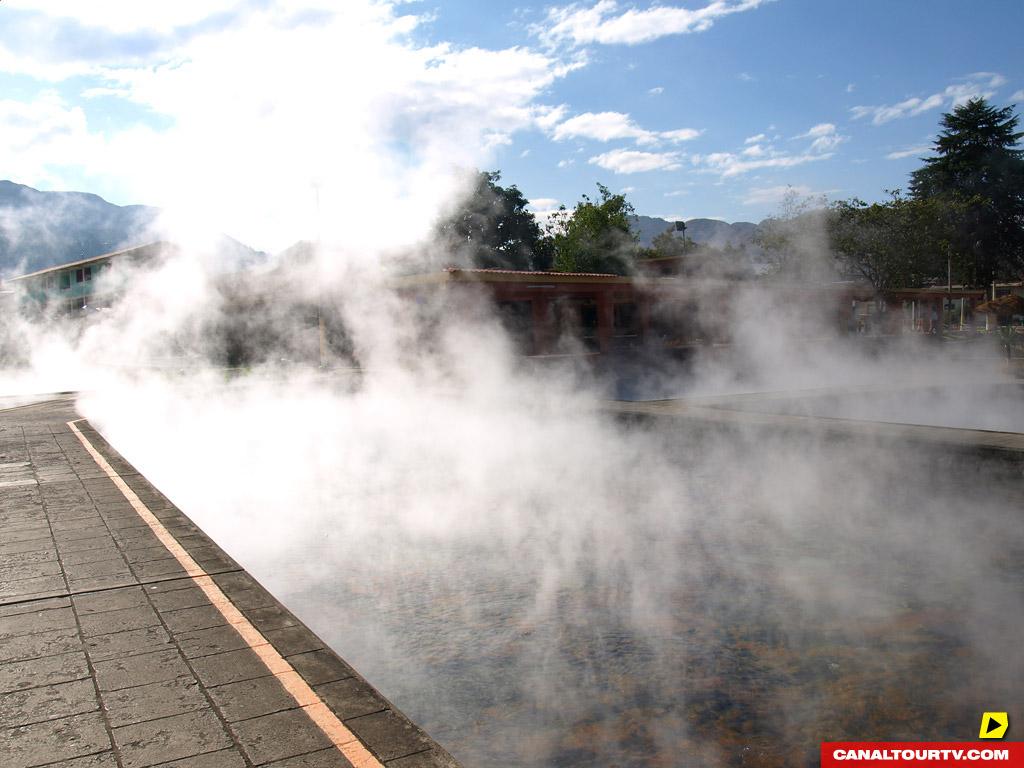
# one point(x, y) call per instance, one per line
point(128, 638)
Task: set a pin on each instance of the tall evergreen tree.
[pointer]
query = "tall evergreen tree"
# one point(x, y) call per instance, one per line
point(979, 168)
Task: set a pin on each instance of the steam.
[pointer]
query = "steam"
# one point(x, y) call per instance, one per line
point(531, 578)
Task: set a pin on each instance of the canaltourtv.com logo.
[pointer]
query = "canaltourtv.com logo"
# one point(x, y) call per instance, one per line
point(1008, 754)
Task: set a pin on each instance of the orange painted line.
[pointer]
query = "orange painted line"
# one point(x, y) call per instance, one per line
point(308, 699)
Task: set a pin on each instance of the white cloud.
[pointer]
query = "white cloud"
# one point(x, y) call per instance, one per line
point(1018, 96)
point(609, 126)
point(677, 193)
point(544, 204)
point(627, 190)
point(632, 161)
point(824, 137)
point(656, 90)
point(728, 164)
point(850, 87)
point(909, 152)
point(975, 85)
point(565, 163)
point(746, 77)
point(244, 136)
point(774, 195)
point(601, 126)
point(755, 139)
point(602, 22)
point(681, 134)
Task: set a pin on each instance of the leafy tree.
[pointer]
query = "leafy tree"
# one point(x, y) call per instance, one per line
point(494, 229)
point(978, 168)
point(898, 243)
point(596, 236)
point(667, 245)
point(794, 242)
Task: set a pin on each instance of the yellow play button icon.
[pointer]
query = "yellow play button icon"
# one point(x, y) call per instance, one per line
point(994, 725)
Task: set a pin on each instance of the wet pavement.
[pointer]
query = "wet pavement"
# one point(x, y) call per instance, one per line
point(128, 638)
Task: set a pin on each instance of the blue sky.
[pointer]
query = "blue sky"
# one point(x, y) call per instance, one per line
point(702, 108)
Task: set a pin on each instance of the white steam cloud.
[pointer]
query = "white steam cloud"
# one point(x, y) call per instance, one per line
point(532, 578)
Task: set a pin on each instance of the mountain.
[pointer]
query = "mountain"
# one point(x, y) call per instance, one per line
point(702, 231)
point(43, 229)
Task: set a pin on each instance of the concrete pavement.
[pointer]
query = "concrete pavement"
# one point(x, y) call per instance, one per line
point(128, 638)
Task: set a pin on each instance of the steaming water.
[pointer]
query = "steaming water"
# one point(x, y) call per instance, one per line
point(659, 597)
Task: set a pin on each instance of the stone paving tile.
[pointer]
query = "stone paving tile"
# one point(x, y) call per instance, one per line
point(225, 758)
point(270, 617)
point(98, 569)
point(170, 738)
point(40, 644)
point(351, 698)
point(9, 547)
point(54, 740)
point(193, 619)
point(91, 555)
point(39, 621)
point(139, 670)
point(111, 622)
point(189, 597)
point(33, 606)
point(251, 698)
point(79, 545)
point(35, 533)
point(102, 760)
point(230, 667)
point(145, 554)
point(134, 642)
point(389, 735)
point(111, 600)
point(154, 701)
point(206, 642)
point(430, 759)
point(318, 667)
point(293, 640)
point(324, 758)
point(170, 585)
point(49, 670)
point(29, 570)
point(47, 703)
point(38, 590)
point(275, 737)
point(97, 583)
point(157, 569)
point(246, 599)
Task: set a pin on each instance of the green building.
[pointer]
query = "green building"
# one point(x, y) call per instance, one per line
point(85, 284)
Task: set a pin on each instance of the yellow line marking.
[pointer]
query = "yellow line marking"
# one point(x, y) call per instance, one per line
point(342, 738)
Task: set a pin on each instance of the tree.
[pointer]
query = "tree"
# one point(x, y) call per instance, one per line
point(794, 242)
point(596, 236)
point(494, 229)
point(978, 169)
point(898, 243)
point(668, 245)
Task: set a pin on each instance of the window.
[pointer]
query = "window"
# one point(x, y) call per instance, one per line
point(65, 280)
point(88, 273)
point(79, 275)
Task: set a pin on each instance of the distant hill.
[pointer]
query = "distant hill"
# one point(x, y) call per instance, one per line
point(702, 231)
point(43, 229)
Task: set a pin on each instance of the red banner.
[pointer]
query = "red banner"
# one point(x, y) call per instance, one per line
point(917, 754)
